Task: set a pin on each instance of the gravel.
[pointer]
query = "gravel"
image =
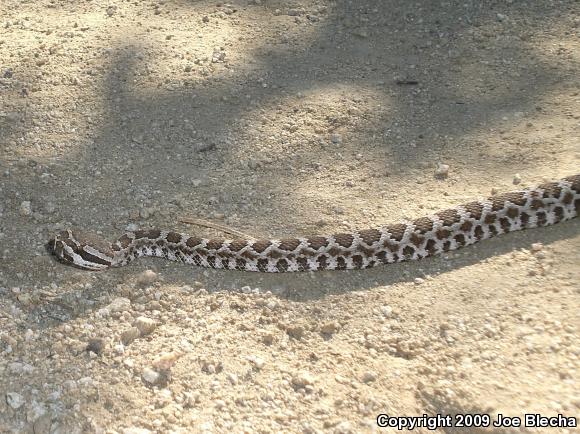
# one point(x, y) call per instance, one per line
point(289, 119)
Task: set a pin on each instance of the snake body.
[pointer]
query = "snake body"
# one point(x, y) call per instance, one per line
point(443, 231)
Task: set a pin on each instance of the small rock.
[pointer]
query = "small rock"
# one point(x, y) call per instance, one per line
point(258, 362)
point(369, 377)
point(442, 170)
point(150, 376)
point(29, 335)
point(42, 424)
point(147, 277)
point(145, 325)
point(419, 281)
point(130, 335)
point(517, 179)
point(233, 378)
point(218, 56)
point(295, 331)
point(387, 311)
point(302, 379)
point(344, 427)
point(268, 338)
point(119, 304)
point(166, 361)
point(25, 208)
point(536, 247)
point(336, 139)
point(330, 327)
point(14, 400)
point(96, 345)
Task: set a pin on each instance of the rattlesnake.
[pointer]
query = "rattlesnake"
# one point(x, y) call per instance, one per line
point(446, 230)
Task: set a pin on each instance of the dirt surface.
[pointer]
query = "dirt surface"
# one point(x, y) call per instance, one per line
point(283, 118)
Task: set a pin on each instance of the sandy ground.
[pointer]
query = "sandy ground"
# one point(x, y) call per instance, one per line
point(283, 118)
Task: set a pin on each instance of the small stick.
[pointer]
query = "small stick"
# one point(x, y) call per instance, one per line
point(407, 82)
point(205, 223)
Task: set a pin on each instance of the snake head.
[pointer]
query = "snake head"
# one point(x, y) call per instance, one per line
point(81, 249)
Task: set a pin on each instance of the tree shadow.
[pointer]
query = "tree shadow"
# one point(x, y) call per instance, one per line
point(152, 146)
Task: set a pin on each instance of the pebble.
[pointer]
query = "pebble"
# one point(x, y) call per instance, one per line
point(536, 247)
point(218, 56)
point(295, 12)
point(166, 361)
point(330, 327)
point(344, 427)
point(147, 277)
point(268, 339)
point(130, 335)
point(25, 208)
point(150, 376)
point(14, 400)
point(442, 170)
point(336, 139)
point(419, 281)
point(145, 325)
point(296, 331)
point(96, 345)
point(29, 335)
point(302, 379)
point(233, 378)
point(119, 304)
point(387, 311)
point(258, 362)
point(517, 179)
point(42, 424)
point(369, 377)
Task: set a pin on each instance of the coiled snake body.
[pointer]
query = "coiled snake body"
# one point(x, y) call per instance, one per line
point(446, 230)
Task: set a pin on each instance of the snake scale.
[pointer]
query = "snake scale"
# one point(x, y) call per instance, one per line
point(443, 231)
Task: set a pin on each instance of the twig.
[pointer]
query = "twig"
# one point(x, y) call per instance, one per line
point(205, 223)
